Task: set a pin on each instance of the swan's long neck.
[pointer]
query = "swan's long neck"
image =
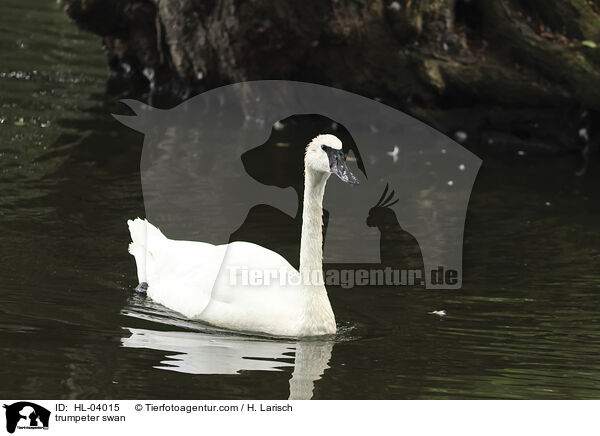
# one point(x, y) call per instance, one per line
point(317, 316)
point(311, 242)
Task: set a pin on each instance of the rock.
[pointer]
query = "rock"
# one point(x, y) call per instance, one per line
point(491, 60)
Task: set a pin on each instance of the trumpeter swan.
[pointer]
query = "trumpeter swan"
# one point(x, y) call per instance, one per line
point(210, 282)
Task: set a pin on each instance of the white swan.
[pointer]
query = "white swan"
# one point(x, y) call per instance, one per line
point(212, 282)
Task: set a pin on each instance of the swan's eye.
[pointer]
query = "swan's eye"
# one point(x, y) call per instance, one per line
point(324, 147)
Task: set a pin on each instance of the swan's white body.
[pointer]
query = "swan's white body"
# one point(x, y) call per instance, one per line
point(210, 282)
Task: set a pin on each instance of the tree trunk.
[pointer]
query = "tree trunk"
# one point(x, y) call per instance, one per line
point(511, 74)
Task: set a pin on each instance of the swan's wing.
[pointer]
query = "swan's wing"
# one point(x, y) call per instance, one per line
point(249, 267)
point(182, 274)
point(240, 304)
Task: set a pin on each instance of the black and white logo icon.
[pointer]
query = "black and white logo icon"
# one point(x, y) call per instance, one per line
point(26, 415)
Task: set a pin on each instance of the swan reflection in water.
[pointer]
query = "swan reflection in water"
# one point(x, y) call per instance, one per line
point(209, 353)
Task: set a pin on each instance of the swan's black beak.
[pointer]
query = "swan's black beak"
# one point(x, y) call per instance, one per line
point(338, 165)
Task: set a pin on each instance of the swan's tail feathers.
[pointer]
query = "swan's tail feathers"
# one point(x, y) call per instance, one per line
point(143, 236)
point(137, 248)
point(142, 287)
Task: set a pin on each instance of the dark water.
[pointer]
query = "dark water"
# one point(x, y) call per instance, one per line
point(524, 325)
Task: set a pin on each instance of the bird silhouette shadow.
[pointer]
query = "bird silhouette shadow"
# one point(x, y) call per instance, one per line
point(397, 247)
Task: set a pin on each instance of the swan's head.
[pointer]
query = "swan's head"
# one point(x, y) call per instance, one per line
point(324, 154)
